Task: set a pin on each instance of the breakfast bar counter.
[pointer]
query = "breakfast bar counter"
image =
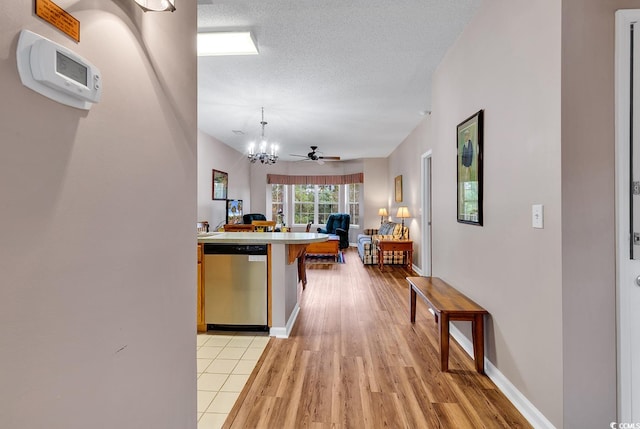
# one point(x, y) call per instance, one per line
point(283, 249)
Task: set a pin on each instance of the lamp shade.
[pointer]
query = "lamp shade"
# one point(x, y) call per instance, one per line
point(403, 212)
point(383, 212)
point(157, 5)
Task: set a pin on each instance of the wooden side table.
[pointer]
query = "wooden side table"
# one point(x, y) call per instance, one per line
point(405, 246)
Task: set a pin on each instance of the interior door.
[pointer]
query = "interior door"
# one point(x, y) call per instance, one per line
point(426, 214)
point(628, 211)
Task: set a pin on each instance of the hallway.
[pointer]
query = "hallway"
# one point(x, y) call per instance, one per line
point(354, 360)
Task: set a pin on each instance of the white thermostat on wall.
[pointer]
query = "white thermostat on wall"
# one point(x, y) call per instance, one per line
point(57, 72)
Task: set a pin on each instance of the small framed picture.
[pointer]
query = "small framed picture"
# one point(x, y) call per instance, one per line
point(469, 169)
point(220, 185)
point(398, 193)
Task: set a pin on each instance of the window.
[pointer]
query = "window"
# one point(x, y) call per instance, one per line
point(303, 204)
point(314, 203)
point(328, 199)
point(277, 201)
point(353, 202)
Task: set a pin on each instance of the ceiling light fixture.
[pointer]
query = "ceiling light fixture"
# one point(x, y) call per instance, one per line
point(157, 5)
point(226, 43)
point(262, 155)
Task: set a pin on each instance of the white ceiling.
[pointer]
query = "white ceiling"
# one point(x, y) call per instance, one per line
point(349, 76)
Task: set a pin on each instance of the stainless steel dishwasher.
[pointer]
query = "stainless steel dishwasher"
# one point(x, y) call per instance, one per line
point(235, 286)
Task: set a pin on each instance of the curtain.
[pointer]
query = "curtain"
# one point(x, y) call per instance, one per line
point(345, 179)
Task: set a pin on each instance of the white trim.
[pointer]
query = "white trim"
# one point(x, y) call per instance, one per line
point(624, 18)
point(279, 332)
point(416, 270)
point(526, 408)
point(426, 257)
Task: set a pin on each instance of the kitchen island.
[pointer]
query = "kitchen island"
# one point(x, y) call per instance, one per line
point(283, 249)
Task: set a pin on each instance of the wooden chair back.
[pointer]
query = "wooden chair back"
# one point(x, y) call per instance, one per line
point(238, 227)
point(265, 225)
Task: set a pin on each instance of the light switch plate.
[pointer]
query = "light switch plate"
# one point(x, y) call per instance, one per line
point(537, 216)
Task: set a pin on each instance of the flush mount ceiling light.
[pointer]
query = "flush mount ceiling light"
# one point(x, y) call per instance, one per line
point(226, 43)
point(157, 5)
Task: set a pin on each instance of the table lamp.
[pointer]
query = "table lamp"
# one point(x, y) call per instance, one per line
point(403, 212)
point(382, 212)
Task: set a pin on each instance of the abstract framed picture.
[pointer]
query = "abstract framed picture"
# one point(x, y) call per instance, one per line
point(220, 185)
point(469, 169)
point(398, 188)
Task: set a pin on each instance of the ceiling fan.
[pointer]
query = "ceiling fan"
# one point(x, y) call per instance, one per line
point(316, 155)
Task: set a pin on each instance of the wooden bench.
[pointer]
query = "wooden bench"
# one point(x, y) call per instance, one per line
point(449, 304)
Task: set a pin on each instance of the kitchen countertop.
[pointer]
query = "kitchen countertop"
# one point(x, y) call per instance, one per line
point(261, 237)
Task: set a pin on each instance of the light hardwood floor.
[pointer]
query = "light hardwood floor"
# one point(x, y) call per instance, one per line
point(354, 360)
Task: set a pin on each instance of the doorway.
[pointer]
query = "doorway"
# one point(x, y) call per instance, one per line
point(426, 213)
point(628, 212)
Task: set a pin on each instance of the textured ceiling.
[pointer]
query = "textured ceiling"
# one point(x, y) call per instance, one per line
point(350, 77)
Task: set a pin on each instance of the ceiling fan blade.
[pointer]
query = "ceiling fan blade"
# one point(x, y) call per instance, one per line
point(301, 156)
point(330, 158)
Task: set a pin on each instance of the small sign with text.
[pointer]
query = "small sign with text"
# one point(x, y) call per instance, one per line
point(59, 18)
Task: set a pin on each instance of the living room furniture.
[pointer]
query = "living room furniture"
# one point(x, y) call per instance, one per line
point(449, 304)
point(382, 212)
point(331, 247)
point(264, 225)
point(368, 251)
point(238, 227)
point(389, 246)
point(338, 224)
point(403, 213)
point(250, 217)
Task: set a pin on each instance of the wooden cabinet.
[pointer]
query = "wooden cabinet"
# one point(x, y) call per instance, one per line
point(202, 326)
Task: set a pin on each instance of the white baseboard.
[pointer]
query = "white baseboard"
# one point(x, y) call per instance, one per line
point(416, 270)
point(279, 332)
point(526, 408)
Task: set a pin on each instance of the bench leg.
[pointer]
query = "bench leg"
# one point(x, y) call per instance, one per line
point(477, 328)
point(443, 325)
point(412, 306)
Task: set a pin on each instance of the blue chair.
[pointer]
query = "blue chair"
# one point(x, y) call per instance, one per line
point(338, 224)
point(250, 217)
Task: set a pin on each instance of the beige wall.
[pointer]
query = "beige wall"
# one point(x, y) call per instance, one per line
point(406, 161)
point(376, 190)
point(213, 154)
point(507, 62)
point(548, 98)
point(97, 212)
point(588, 207)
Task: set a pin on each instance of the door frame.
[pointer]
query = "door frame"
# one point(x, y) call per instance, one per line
point(426, 188)
point(624, 19)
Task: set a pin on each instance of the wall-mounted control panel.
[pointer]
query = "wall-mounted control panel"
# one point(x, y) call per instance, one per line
point(57, 72)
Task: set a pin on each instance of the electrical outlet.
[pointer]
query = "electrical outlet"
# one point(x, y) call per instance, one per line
point(537, 216)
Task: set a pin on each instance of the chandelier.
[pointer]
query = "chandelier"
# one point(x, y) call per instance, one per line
point(262, 155)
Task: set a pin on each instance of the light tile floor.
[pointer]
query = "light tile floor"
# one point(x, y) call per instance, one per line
point(225, 361)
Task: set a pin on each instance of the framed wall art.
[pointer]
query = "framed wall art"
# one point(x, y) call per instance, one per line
point(469, 169)
point(220, 185)
point(398, 193)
